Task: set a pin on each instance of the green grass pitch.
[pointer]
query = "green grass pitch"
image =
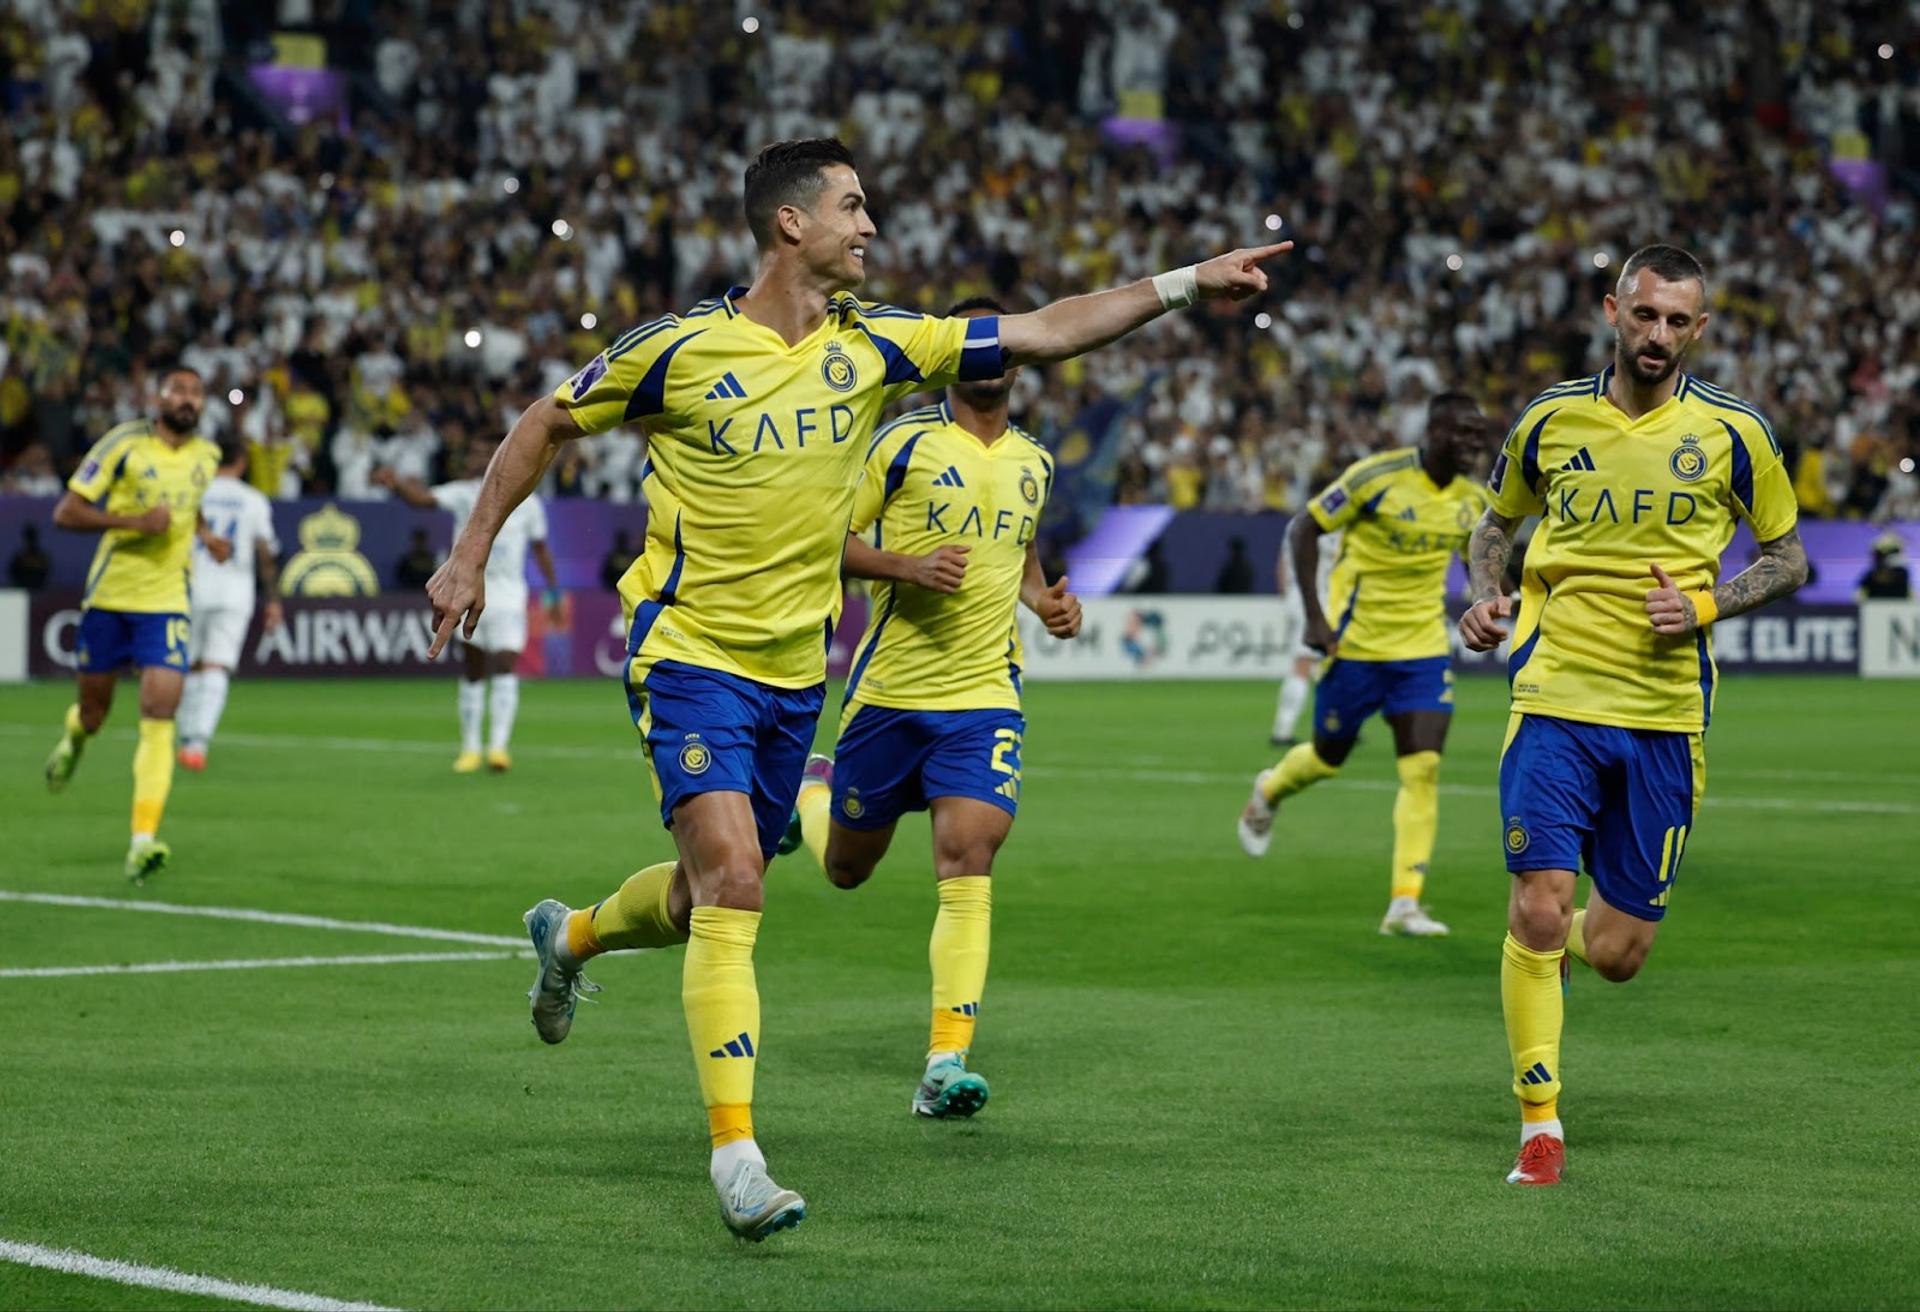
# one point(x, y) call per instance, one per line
point(1214, 1085)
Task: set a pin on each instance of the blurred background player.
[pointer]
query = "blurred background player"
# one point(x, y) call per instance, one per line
point(1406, 513)
point(932, 716)
point(1293, 634)
point(140, 489)
point(223, 594)
point(489, 688)
point(1634, 470)
point(759, 407)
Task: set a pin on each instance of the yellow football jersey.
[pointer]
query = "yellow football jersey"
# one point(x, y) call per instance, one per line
point(754, 449)
point(1616, 496)
point(1388, 595)
point(929, 484)
point(135, 469)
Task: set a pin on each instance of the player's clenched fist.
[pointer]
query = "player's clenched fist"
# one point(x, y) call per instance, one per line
point(941, 570)
point(457, 590)
point(1059, 610)
point(1480, 626)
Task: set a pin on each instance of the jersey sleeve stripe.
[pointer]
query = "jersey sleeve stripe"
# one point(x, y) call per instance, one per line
point(650, 397)
point(1726, 401)
point(926, 414)
point(873, 645)
point(899, 368)
point(634, 336)
point(1530, 453)
point(1742, 471)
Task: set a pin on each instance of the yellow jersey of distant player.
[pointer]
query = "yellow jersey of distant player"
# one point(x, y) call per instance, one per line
point(754, 449)
point(930, 484)
point(135, 469)
point(1616, 496)
point(1388, 595)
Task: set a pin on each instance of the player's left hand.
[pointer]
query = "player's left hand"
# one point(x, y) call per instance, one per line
point(1670, 610)
point(1060, 610)
point(1237, 274)
point(219, 548)
point(458, 591)
point(274, 616)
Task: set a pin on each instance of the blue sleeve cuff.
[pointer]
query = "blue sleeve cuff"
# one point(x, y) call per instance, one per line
point(982, 357)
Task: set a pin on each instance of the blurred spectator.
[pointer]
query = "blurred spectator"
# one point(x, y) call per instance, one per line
point(31, 565)
point(418, 564)
point(1888, 579)
point(1236, 571)
point(32, 474)
point(619, 557)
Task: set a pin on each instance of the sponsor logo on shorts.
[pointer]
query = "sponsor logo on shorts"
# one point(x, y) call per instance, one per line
point(695, 758)
point(1517, 837)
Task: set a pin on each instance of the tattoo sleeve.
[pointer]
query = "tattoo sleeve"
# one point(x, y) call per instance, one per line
point(1780, 568)
point(1488, 551)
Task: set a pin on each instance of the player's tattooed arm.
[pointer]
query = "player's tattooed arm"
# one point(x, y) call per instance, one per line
point(1488, 551)
point(1780, 568)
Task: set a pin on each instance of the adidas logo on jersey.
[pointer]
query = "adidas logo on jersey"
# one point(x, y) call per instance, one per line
point(1582, 459)
point(949, 479)
point(727, 389)
point(1407, 515)
point(740, 1047)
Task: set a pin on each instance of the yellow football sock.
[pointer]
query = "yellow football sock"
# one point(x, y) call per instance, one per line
point(1416, 819)
point(1530, 997)
point(1297, 769)
point(958, 953)
point(1577, 937)
point(152, 774)
point(76, 730)
point(636, 916)
point(723, 1016)
point(814, 804)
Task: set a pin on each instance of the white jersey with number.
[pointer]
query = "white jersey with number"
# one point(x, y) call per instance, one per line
point(507, 565)
point(240, 513)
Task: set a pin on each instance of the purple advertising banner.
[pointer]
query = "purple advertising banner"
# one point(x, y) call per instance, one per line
point(389, 636)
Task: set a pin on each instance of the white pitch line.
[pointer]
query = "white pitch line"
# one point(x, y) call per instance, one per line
point(267, 918)
point(255, 963)
point(174, 1282)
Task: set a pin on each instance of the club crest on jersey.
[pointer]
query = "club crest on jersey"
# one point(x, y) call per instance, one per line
point(1029, 486)
point(837, 369)
point(850, 804)
point(1688, 461)
point(695, 758)
point(1517, 836)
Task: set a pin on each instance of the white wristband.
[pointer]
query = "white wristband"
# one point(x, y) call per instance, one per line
point(1178, 288)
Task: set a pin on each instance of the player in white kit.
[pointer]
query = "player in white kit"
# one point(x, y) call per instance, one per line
point(489, 685)
point(221, 599)
point(1298, 683)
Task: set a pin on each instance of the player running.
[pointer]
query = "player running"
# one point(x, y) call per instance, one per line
point(1639, 474)
point(140, 489)
point(1405, 515)
point(488, 685)
point(1299, 678)
point(932, 711)
point(759, 407)
point(222, 595)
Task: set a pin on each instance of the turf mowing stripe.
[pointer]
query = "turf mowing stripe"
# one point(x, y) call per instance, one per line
point(256, 963)
point(174, 1282)
point(266, 918)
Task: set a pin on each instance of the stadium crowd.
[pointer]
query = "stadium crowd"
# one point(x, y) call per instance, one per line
point(517, 180)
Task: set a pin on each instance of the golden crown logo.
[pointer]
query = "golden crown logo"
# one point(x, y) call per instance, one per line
point(328, 564)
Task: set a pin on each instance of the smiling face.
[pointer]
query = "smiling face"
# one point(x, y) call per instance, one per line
point(831, 235)
point(1655, 322)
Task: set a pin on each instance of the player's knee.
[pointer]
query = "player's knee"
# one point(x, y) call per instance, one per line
point(845, 873)
point(1617, 962)
point(1541, 917)
point(958, 860)
point(733, 882)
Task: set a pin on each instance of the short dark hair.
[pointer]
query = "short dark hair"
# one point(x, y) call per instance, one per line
point(971, 303)
point(175, 367)
point(787, 173)
point(1450, 401)
point(231, 449)
point(1669, 264)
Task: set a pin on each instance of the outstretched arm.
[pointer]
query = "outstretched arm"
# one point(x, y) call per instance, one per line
point(409, 489)
point(1081, 323)
point(458, 588)
point(1778, 570)
point(1488, 551)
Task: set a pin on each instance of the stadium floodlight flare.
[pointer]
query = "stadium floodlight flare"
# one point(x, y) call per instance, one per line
point(563, 230)
point(1273, 222)
point(236, 396)
point(589, 320)
point(1601, 259)
point(1886, 51)
point(510, 184)
point(1263, 320)
point(176, 238)
point(472, 339)
point(749, 25)
point(1455, 263)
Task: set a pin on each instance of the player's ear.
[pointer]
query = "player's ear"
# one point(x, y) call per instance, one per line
point(791, 220)
point(1613, 309)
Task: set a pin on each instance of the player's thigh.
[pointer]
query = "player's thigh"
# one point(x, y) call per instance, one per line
point(967, 834)
point(853, 854)
point(502, 662)
point(877, 766)
point(1645, 821)
point(1419, 731)
point(160, 688)
point(473, 662)
point(783, 734)
point(1348, 692)
point(719, 849)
